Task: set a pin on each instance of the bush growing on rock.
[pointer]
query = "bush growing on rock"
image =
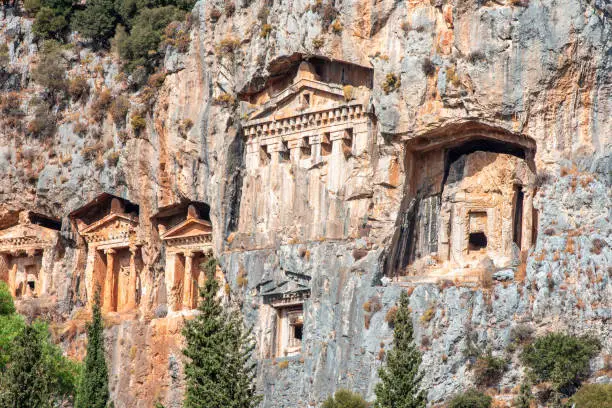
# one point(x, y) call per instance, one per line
point(488, 370)
point(561, 359)
point(593, 396)
point(471, 399)
point(345, 399)
point(391, 83)
point(50, 72)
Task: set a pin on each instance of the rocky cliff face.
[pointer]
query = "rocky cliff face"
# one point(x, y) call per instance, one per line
point(530, 75)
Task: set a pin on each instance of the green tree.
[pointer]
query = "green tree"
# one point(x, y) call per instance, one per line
point(220, 371)
point(37, 375)
point(400, 378)
point(93, 386)
point(49, 24)
point(11, 324)
point(7, 307)
point(97, 21)
point(345, 399)
point(560, 358)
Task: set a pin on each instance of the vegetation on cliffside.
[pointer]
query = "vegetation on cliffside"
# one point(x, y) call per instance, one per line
point(220, 370)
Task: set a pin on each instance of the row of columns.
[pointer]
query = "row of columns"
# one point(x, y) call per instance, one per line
point(116, 299)
point(182, 280)
point(340, 141)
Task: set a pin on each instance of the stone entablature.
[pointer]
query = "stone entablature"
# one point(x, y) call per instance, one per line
point(188, 245)
point(308, 120)
point(26, 256)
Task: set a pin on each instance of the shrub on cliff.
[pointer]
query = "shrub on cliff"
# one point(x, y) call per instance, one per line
point(345, 399)
point(561, 359)
point(593, 396)
point(93, 386)
point(471, 399)
point(37, 374)
point(400, 384)
point(219, 369)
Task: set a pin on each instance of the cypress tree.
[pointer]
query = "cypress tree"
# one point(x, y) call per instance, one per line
point(93, 387)
point(400, 379)
point(220, 371)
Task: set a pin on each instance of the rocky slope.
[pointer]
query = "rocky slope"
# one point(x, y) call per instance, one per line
point(541, 69)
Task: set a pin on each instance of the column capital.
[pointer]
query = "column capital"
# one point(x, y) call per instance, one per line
point(188, 254)
point(110, 251)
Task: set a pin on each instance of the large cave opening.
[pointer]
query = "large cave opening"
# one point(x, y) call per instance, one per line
point(468, 195)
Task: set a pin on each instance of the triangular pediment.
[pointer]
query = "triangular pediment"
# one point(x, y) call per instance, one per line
point(33, 232)
point(112, 222)
point(301, 97)
point(290, 286)
point(189, 228)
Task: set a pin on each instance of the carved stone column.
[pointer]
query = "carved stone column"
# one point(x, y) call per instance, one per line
point(130, 303)
point(527, 228)
point(12, 280)
point(188, 282)
point(110, 300)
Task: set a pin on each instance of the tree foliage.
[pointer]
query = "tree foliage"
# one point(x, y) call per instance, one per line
point(220, 371)
point(93, 386)
point(37, 375)
point(345, 399)
point(11, 324)
point(400, 379)
point(97, 21)
point(560, 358)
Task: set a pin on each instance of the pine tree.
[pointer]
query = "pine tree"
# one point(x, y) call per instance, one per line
point(400, 379)
point(93, 387)
point(220, 371)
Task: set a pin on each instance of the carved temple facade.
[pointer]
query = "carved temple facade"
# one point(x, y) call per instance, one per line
point(187, 239)
point(109, 226)
point(306, 133)
point(27, 250)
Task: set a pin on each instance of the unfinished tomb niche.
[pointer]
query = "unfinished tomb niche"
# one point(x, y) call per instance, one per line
point(186, 231)
point(109, 226)
point(470, 198)
point(27, 249)
point(285, 297)
point(303, 116)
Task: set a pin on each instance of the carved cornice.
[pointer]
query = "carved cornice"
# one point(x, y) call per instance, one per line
point(190, 240)
point(305, 121)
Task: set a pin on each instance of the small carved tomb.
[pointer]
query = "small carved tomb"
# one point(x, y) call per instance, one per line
point(286, 297)
point(188, 245)
point(109, 226)
point(26, 254)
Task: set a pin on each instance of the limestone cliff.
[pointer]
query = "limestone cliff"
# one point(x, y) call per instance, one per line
point(342, 151)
